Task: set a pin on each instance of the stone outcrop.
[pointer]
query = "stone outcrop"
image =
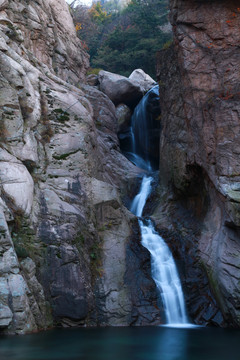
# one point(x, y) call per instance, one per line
point(64, 231)
point(199, 152)
point(143, 79)
point(120, 89)
point(44, 33)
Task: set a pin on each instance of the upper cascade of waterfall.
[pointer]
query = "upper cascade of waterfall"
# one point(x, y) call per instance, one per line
point(140, 143)
point(142, 123)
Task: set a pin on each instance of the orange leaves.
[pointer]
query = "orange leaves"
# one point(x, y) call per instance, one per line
point(233, 17)
point(98, 14)
point(78, 26)
point(210, 45)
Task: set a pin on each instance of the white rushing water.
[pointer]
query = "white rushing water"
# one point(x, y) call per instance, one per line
point(165, 275)
point(142, 119)
point(140, 199)
point(164, 270)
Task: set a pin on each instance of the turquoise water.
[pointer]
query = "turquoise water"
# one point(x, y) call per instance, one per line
point(146, 343)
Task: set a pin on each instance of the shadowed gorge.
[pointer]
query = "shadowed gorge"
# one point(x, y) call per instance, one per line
point(94, 165)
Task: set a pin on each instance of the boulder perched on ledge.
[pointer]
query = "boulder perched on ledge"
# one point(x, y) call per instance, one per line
point(143, 79)
point(119, 88)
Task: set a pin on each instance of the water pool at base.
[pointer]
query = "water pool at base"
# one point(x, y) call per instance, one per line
point(135, 343)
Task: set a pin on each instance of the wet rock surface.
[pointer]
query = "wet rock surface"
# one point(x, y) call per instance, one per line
point(199, 160)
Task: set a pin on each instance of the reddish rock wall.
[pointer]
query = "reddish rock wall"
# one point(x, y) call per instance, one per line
point(200, 143)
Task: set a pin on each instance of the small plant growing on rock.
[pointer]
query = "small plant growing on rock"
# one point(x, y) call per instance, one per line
point(47, 132)
point(167, 44)
point(61, 115)
point(3, 132)
point(12, 32)
point(93, 71)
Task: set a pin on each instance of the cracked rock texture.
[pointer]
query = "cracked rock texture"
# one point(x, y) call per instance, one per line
point(64, 230)
point(199, 152)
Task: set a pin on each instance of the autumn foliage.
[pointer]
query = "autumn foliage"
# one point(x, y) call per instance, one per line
point(122, 39)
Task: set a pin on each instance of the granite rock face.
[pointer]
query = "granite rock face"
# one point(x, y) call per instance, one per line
point(64, 230)
point(199, 147)
point(45, 30)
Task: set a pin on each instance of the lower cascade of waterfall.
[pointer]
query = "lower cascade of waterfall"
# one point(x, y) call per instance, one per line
point(164, 270)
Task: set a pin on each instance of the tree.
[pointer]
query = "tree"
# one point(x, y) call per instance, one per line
point(122, 39)
point(98, 14)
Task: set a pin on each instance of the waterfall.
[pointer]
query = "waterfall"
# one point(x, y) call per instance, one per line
point(165, 275)
point(143, 135)
point(164, 270)
point(143, 122)
point(140, 199)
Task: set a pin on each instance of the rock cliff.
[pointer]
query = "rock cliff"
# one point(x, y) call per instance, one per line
point(64, 231)
point(69, 248)
point(199, 153)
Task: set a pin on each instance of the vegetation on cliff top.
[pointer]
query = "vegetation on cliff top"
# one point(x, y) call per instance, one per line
point(121, 39)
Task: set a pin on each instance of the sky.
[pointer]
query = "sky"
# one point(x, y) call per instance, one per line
point(82, 2)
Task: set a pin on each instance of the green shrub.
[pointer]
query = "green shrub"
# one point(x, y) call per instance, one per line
point(93, 71)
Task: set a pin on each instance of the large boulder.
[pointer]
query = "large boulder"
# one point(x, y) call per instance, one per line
point(17, 183)
point(143, 79)
point(119, 88)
